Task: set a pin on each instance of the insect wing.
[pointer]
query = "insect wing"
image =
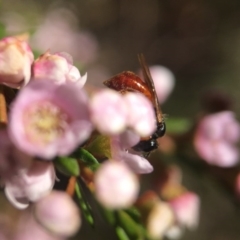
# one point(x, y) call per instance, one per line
point(149, 81)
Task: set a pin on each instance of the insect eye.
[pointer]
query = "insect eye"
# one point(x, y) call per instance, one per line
point(161, 129)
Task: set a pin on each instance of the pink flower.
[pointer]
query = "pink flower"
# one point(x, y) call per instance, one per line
point(58, 213)
point(215, 139)
point(112, 113)
point(16, 60)
point(108, 112)
point(141, 115)
point(115, 185)
point(121, 151)
point(47, 120)
point(186, 209)
point(31, 184)
point(57, 67)
point(164, 81)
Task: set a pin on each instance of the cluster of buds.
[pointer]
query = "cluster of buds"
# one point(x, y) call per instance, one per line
point(54, 124)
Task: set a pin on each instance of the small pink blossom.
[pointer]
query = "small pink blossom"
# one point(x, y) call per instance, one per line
point(16, 60)
point(109, 112)
point(53, 122)
point(186, 208)
point(115, 185)
point(164, 81)
point(58, 213)
point(30, 185)
point(58, 68)
point(216, 137)
point(121, 151)
point(141, 117)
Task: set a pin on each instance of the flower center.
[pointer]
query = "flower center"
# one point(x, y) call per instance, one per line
point(45, 122)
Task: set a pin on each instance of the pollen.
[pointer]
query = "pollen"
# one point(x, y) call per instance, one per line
point(46, 122)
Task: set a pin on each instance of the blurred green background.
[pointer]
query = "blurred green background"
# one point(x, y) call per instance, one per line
point(198, 40)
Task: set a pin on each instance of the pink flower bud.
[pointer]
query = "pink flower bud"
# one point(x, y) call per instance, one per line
point(30, 184)
point(28, 229)
point(159, 220)
point(16, 60)
point(186, 208)
point(54, 122)
point(215, 139)
point(108, 112)
point(115, 185)
point(164, 81)
point(141, 115)
point(58, 213)
point(59, 68)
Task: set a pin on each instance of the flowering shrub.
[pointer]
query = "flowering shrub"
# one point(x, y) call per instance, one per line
point(57, 126)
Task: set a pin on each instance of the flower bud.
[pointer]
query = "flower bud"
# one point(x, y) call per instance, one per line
point(157, 216)
point(141, 115)
point(16, 60)
point(108, 112)
point(58, 68)
point(115, 185)
point(186, 209)
point(58, 213)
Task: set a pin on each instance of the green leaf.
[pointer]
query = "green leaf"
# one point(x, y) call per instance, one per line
point(132, 229)
point(121, 234)
point(87, 158)
point(178, 125)
point(100, 147)
point(134, 213)
point(67, 165)
point(85, 207)
point(110, 216)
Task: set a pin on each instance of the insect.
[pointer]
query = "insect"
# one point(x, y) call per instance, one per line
point(129, 81)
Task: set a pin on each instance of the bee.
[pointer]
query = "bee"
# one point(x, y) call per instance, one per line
point(129, 81)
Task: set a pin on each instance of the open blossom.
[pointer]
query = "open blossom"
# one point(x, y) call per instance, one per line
point(216, 137)
point(115, 185)
point(58, 213)
point(112, 113)
point(57, 67)
point(121, 151)
point(16, 60)
point(30, 184)
point(47, 120)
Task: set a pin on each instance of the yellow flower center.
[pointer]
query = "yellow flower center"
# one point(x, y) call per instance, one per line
point(46, 122)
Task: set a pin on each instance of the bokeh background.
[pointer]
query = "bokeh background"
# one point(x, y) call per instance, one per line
point(198, 40)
